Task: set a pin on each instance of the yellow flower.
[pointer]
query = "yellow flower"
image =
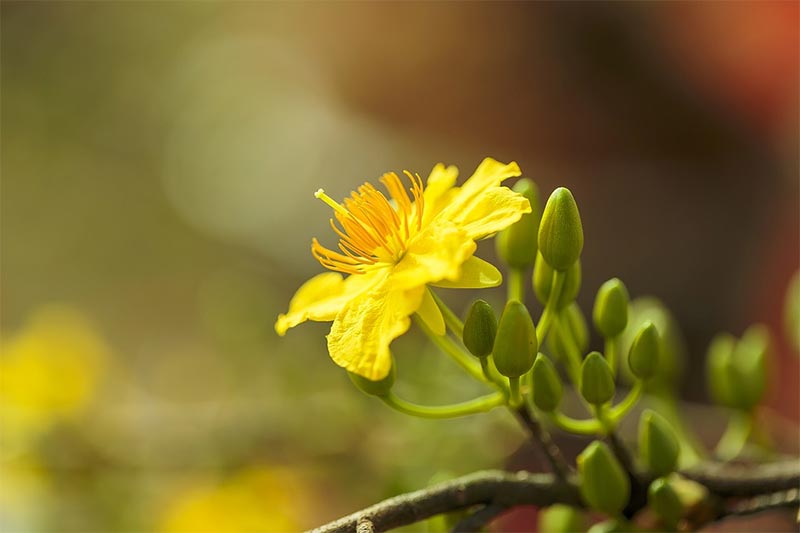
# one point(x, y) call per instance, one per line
point(392, 249)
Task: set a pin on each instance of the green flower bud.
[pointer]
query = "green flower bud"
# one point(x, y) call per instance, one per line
point(643, 355)
point(672, 350)
point(611, 526)
point(720, 370)
point(517, 244)
point(561, 231)
point(604, 484)
point(543, 282)
point(597, 382)
point(611, 308)
point(560, 518)
point(658, 444)
point(516, 345)
point(480, 328)
point(750, 360)
point(374, 388)
point(547, 388)
point(666, 503)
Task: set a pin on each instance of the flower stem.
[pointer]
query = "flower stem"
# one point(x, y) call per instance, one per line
point(450, 318)
point(516, 285)
point(573, 425)
point(550, 308)
point(735, 437)
point(619, 411)
point(574, 357)
point(492, 374)
point(478, 405)
point(516, 396)
point(447, 345)
point(611, 354)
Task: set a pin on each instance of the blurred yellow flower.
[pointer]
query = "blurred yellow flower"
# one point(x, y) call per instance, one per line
point(49, 371)
point(255, 500)
point(393, 248)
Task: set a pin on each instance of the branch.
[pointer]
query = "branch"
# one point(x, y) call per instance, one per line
point(489, 487)
point(558, 464)
point(726, 480)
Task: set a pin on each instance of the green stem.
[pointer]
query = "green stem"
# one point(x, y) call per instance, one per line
point(619, 411)
point(516, 396)
point(491, 373)
point(574, 357)
point(740, 426)
point(573, 425)
point(611, 354)
point(478, 405)
point(450, 318)
point(447, 345)
point(516, 285)
point(550, 308)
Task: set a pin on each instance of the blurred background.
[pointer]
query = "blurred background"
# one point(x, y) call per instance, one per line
point(158, 165)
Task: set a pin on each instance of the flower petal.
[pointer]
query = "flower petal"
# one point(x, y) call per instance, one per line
point(435, 253)
point(361, 333)
point(475, 274)
point(439, 190)
point(430, 313)
point(496, 209)
point(489, 174)
point(321, 298)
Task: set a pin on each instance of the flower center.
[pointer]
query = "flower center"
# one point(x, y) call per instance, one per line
point(373, 230)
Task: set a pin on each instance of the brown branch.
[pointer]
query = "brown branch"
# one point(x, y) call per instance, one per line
point(727, 480)
point(489, 487)
point(763, 502)
point(560, 467)
point(477, 520)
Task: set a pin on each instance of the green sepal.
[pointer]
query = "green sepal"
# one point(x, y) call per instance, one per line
point(611, 308)
point(643, 354)
point(516, 344)
point(560, 518)
point(547, 387)
point(561, 231)
point(658, 444)
point(604, 485)
point(517, 244)
point(597, 381)
point(543, 282)
point(480, 329)
point(664, 500)
point(374, 388)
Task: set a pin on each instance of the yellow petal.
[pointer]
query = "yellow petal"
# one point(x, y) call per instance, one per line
point(475, 274)
point(496, 209)
point(321, 298)
point(489, 174)
point(439, 190)
point(362, 332)
point(435, 253)
point(430, 313)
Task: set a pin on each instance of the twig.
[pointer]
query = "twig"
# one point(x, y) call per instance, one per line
point(764, 502)
point(489, 487)
point(558, 464)
point(474, 522)
point(738, 480)
point(638, 499)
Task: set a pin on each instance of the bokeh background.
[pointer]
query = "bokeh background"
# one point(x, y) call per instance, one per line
point(158, 165)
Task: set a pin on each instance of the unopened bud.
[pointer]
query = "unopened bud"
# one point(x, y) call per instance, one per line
point(597, 382)
point(547, 387)
point(643, 355)
point(516, 344)
point(572, 325)
point(480, 329)
point(666, 503)
point(750, 357)
point(378, 388)
point(561, 231)
point(658, 444)
point(604, 485)
point(560, 518)
point(611, 308)
point(518, 243)
point(543, 282)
